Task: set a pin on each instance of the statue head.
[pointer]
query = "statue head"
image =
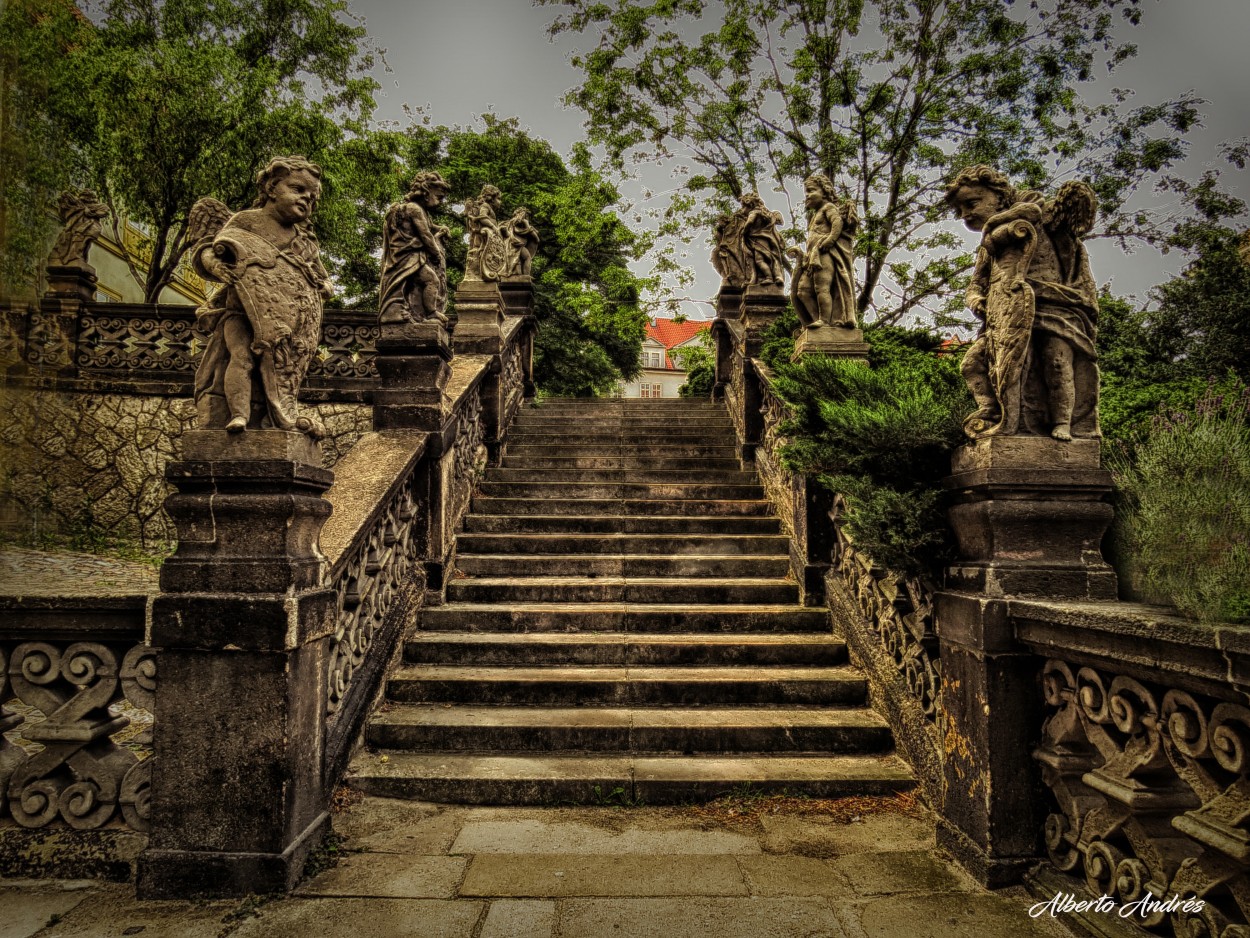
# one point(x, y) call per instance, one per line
point(491, 195)
point(428, 187)
point(280, 168)
point(752, 200)
point(978, 193)
point(819, 189)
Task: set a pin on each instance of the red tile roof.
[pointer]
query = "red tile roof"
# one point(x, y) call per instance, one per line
point(669, 333)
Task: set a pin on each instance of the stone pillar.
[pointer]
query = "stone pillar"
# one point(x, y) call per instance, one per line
point(243, 625)
point(479, 311)
point(728, 308)
point(834, 341)
point(412, 360)
point(1029, 514)
point(52, 331)
point(761, 307)
point(811, 548)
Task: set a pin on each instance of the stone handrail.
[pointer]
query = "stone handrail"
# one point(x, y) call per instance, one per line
point(1145, 749)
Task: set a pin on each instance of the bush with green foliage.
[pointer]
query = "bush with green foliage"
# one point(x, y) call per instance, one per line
point(881, 436)
point(1182, 529)
point(699, 362)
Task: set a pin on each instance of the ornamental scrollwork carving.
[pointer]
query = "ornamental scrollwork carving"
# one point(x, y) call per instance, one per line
point(1152, 793)
point(899, 613)
point(138, 343)
point(468, 460)
point(347, 350)
point(512, 378)
point(74, 701)
point(367, 581)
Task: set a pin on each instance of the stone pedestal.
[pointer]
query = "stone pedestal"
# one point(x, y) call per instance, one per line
point(1029, 514)
point(72, 283)
point(834, 341)
point(761, 307)
point(244, 627)
point(479, 311)
point(518, 301)
point(412, 373)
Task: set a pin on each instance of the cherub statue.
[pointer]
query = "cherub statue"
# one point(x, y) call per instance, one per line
point(521, 242)
point(80, 212)
point(823, 288)
point(762, 241)
point(1033, 367)
point(414, 256)
point(487, 257)
point(266, 323)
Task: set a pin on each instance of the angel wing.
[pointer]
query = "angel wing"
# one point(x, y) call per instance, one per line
point(1074, 208)
point(206, 218)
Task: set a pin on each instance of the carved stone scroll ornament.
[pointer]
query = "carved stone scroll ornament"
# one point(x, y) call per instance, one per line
point(414, 256)
point(1153, 796)
point(823, 287)
point(265, 324)
point(81, 776)
point(468, 461)
point(367, 582)
point(80, 212)
point(1033, 368)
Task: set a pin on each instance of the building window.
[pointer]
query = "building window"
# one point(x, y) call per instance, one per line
point(655, 360)
point(651, 390)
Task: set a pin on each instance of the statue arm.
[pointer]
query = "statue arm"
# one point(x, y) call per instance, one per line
point(979, 285)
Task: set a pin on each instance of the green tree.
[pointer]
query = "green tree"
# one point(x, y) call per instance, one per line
point(586, 299)
point(37, 155)
point(888, 98)
point(699, 362)
point(179, 99)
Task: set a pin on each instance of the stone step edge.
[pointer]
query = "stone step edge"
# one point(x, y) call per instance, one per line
point(424, 714)
point(625, 674)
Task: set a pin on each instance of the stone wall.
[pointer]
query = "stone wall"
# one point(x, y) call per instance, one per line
point(74, 460)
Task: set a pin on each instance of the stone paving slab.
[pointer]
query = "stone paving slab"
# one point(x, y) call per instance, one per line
point(435, 871)
point(371, 918)
point(551, 875)
point(389, 876)
point(542, 836)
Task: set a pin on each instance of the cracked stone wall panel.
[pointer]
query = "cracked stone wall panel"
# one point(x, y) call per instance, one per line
point(345, 424)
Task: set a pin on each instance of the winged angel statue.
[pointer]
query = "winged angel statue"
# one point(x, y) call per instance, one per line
point(1034, 368)
point(265, 323)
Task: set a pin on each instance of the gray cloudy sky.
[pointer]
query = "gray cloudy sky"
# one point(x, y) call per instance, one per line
point(459, 58)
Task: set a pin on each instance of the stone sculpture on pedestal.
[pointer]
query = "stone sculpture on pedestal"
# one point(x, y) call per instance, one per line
point(266, 323)
point(521, 242)
point(80, 213)
point(748, 247)
point(1033, 368)
point(823, 288)
point(487, 259)
point(414, 257)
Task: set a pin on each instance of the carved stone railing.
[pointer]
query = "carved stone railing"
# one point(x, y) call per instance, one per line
point(157, 347)
point(1145, 750)
point(77, 683)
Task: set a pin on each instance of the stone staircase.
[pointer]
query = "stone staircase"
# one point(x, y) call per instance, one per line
point(621, 628)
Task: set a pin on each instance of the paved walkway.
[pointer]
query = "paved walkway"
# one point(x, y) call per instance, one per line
point(745, 868)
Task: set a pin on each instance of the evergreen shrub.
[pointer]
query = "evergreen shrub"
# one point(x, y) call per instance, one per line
point(881, 437)
point(1182, 529)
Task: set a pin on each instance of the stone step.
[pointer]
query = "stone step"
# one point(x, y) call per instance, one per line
point(668, 491)
point(642, 565)
point(626, 687)
point(620, 590)
point(617, 436)
point(617, 475)
point(488, 779)
point(648, 461)
point(622, 617)
point(424, 727)
point(658, 448)
point(622, 649)
point(611, 507)
point(660, 545)
point(617, 524)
